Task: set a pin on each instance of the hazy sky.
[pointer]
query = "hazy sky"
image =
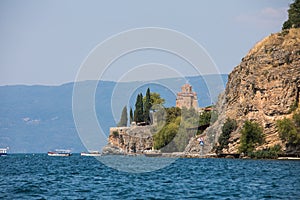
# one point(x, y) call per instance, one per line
point(45, 42)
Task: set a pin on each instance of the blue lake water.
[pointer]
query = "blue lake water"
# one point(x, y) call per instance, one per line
point(27, 176)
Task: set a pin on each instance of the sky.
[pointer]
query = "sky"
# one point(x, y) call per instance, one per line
point(46, 42)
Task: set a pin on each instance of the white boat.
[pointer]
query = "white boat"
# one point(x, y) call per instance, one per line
point(59, 152)
point(90, 153)
point(288, 158)
point(3, 151)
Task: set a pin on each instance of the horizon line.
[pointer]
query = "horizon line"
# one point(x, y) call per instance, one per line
point(104, 80)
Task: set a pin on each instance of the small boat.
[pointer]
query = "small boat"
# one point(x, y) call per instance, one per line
point(152, 153)
point(59, 152)
point(288, 158)
point(90, 153)
point(3, 151)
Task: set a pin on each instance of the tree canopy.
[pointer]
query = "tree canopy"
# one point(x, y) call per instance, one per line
point(289, 129)
point(139, 109)
point(124, 119)
point(147, 106)
point(229, 126)
point(252, 135)
point(294, 16)
point(144, 105)
point(155, 99)
point(131, 115)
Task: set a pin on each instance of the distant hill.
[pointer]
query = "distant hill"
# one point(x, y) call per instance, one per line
point(39, 118)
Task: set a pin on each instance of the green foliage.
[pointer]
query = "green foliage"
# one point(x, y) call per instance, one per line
point(269, 153)
point(189, 115)
point(229, 126)
point(143, 105)
point(131, 115)
point(214, 116)
point(155, 99)
point(139, 109)
point(172, 114)
point(204, 118)
point(252, 135)
point(147, 106)
point(296, 118)
point(294, 16)
point(294, 106)
point(115, 133)
point(286, 129)
point(163, 139)
point(165, 135)
point(289, 129)
point(169, 138)
point(124, 119)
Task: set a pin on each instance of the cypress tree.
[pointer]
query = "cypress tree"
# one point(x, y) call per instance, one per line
point(124, 119)
point(139, 109)
point(131, 115)
point(147, 107)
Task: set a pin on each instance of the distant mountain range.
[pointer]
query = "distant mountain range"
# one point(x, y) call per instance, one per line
point(39, 118)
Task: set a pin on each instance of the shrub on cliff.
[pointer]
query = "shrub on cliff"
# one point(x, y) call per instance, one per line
point(174, 136)
point(252, 135)
point(294, 16)
point(289, 129)
point(269, 153)
point(165, 135)
point(229, 126)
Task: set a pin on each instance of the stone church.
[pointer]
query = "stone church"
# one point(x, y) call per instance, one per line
point(187, 98)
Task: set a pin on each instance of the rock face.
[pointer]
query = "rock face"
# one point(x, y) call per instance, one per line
point(262, 88)
point(126, 140)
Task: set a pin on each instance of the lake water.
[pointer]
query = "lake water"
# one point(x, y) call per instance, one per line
point(27, 176)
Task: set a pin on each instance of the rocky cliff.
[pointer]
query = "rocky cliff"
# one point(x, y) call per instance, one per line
point(262, 88)
point(126, 140)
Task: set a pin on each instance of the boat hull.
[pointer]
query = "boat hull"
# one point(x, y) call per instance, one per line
point(59, 154)
point(3, 151)
point(90, 154)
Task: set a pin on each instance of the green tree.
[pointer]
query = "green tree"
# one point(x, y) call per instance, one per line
point(165, 135)
point(294, 16)
point(131, 115)
point(296, 119)
point(172, 114)
point(124, 119)
point(155, 99)
point(252, 135)
point(289, 129)
point(229, 126)
point(269, 153)
point(139, 109)
point(204, 118)
point(147, 107)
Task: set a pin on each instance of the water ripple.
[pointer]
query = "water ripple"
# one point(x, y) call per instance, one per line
point(42, 177)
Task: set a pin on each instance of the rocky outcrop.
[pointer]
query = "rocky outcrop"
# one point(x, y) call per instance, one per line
point(126, 140)
point(262, 88)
